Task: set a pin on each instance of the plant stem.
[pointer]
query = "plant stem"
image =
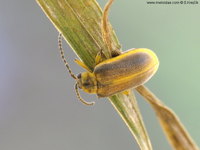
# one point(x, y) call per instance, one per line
point(172, 126)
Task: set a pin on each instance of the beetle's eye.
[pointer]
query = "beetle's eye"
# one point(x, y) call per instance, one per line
point(86, 84)
point(79, 76)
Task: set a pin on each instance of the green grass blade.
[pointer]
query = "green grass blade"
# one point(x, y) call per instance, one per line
point(80, 24)
point(79, 21)
point(128, 109)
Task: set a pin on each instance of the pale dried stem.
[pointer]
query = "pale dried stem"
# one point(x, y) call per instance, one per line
point(172, 126)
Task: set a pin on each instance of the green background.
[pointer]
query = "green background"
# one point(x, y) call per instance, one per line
point(38, 105)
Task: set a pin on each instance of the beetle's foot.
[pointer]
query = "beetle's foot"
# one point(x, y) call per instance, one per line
point(100, 57)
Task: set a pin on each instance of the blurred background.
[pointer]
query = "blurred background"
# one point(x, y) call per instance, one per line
point(38, 106)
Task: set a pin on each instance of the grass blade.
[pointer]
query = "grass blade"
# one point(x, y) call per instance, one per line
point(79, 21)
point(127, 108)
point(172, 126)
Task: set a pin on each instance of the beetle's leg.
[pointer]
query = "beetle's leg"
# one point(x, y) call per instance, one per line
point(127, 92)
point(105, 26)
point(79, 97)
point(106, 31)
point(80, 63)
point(100, 57)
point(63, 56)
point(115, 53)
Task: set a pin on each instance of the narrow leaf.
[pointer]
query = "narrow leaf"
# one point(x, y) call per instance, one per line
point(79, 21)
point(172, 126)
point(128, 109)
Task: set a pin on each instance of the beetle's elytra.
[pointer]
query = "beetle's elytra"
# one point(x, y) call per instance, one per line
point(128, 70)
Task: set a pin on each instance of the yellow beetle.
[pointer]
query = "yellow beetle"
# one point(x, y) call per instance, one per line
point(127, 70)
point(117, 74)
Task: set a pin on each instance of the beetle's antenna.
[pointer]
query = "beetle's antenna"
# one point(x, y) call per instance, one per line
point(79, 97)
point(70, 71)
point(63, 56)
point(105, 25)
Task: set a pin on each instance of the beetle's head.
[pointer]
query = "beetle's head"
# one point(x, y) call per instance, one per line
point(87, 82)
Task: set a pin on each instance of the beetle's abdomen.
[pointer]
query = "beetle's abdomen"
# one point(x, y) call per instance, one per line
point(125, 71)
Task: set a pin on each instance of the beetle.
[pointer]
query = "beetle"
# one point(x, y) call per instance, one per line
point(116, 74)
point(128, 70)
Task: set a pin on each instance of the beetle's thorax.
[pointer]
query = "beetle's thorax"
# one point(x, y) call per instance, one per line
point(87, 82)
